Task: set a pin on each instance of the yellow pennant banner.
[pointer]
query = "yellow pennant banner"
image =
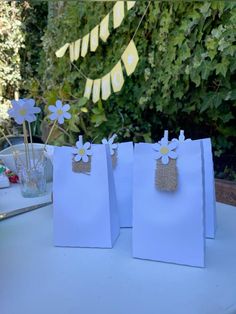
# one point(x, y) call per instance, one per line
point(104, 28)
point(88, 88)
point(85, 43)
point(81, 46)
point(130, 58)
point(96, 90)
point(72, 50)
point(60, 53)
point(117, 78)
point(118, 13)
point(77, 49)
point(130, 4)
point(106, 86)
point(94, 39)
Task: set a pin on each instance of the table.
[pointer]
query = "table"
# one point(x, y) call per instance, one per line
point(37, 278)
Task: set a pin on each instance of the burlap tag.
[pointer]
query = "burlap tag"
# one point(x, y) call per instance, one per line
point(81, 167)
point(114, 159)
point(166, 176)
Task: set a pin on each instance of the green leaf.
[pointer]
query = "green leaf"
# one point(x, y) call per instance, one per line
point(222, 68)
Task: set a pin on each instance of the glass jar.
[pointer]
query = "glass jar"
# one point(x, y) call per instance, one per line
point(32, 174)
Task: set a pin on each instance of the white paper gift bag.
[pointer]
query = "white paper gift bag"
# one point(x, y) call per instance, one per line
point(169, 226)
point(123, 175)
point(208, 185)
point(85, 208)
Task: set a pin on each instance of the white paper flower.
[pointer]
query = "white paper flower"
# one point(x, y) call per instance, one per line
point(111, 144)
point(59, 112)
point(23, 110)
point(182, 138)
point(165, 150)
point(82, 151)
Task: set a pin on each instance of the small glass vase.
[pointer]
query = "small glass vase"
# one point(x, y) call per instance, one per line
point(32, 174)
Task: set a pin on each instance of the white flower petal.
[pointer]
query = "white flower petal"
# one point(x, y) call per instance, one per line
point(29, 102)
point(19, 119)
point(173, 145)
point(172, 155)
point(104, 141)
point(165, 160)
point(77, 158)
point(30, 118)
point(79, 145)
point(87, 145)
point(59, 104)
point(52, 108)
point(11, 112)
point(158, 155)
point(53, 116)
point(156, 146)
point(164, 141)
point(35, 110)
point(61, 119)
point(75, 151)
point(66, 107)
point(15, 104)
point(66, 115)
point(85, 158)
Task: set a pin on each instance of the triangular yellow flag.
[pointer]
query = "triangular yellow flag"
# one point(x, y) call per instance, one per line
point(130, 58)
point(106, 86)
point(85, 42)
point(118, 13)
point(88, 88)
point(96, 90)
point(72, 52)
point(104, 28)
point(130, 4)
point(117, 78)
point(77, 49)
point(94, 39)
point(60, 52)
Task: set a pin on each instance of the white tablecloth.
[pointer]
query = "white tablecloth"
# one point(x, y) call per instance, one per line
point(38, 278)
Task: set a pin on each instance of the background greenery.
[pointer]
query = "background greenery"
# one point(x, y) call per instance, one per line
point(185, 78)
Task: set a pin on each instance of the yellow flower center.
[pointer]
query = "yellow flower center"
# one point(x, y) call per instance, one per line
point(81, 152)
point(22, 112)
point(59, 112)
point(164, 150)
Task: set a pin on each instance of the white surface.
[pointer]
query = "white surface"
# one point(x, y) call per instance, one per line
point(169, 226)
point(80, 218)
point(38, 278)
point(11, 199)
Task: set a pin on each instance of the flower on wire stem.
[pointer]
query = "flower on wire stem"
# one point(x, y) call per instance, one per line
point(23, 110)
point(59, 112)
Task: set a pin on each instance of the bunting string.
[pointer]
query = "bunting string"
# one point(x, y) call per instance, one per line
point(91, 40)
point(100, 88)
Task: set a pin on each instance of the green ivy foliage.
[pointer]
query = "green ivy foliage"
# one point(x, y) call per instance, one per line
point(11, 41)
point(185, 78)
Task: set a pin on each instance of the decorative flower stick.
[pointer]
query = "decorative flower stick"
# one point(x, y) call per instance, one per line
point(59, 113)
point(24, 110)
